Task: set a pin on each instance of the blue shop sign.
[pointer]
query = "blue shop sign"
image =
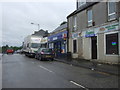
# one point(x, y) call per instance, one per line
point(57, 36)
point(89, 34)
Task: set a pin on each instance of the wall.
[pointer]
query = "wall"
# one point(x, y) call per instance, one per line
point(86, 48)
point(118, 10)
point(80, 47)
point(119, 47)
point(100, 13)
point(81, 20)
point(70, 25)
point(101, 47)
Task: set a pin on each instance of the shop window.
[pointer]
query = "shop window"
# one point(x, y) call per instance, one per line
point(111, 10)
point(89, 14)
point(112, 43)
point(51, 45)
point(74, 46)
point(63, 47)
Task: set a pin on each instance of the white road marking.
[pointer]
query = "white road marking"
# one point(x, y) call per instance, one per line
point(46, 69)
point(78, 85)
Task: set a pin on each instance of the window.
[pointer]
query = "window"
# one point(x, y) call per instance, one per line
point(74, 23)
point(51, 45)
point(89, 13)
point(111, 10)
point(81, 3)
point(47, 50)
point(74, 46)
point(112, 43)
point(28, 45)
point(35, 45)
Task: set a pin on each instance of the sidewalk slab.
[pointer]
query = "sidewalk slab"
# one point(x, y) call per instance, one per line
point(106, 68)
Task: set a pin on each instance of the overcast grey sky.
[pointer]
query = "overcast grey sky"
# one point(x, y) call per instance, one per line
point(17, 18)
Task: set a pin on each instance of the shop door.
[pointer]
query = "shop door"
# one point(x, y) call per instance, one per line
point(94, 47)
point(55, 47)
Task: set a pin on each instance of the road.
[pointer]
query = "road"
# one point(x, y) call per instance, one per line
point(19, 71)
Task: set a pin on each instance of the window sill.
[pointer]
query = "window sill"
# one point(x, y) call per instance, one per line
point(110, 20)
point(112, 54)
point(89, 26)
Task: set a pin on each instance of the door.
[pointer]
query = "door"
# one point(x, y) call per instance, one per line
point(74, 46)
point(94, 47)
point(57, 48)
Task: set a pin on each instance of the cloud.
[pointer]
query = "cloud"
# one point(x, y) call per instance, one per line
point(17, 18)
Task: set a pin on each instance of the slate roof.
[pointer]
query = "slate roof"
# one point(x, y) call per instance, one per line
point(41, 33)
point(60, 27)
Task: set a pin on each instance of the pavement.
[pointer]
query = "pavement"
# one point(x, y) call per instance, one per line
point(89, 64)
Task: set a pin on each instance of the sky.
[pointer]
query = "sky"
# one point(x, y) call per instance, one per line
point(16, 18)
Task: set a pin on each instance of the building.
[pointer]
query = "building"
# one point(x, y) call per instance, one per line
point(57, 40)
point(94, 31)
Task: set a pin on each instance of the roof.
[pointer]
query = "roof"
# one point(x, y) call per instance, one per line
point(60, 27)
point(41, 33)
point(88, 4)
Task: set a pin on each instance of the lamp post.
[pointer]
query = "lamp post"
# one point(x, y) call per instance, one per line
point(36, 24)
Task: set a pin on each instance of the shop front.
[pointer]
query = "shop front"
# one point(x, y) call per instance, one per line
point(102, 43)
point(58, 42)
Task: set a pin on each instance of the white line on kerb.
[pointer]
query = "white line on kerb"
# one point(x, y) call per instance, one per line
point(78, 84)
point(46, 69)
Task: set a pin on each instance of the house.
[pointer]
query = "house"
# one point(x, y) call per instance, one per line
point(94, 31)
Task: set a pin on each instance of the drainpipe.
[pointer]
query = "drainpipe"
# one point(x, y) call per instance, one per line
point(67, 37)
point(119, 41)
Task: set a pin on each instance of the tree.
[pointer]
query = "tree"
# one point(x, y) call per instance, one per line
point(4, 48)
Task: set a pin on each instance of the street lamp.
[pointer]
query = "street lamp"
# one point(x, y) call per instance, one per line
point(36, 24)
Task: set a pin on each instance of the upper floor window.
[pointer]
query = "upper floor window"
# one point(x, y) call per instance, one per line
point(89, 14)
point(111, 10)
point(74, 23)
point(80, 3)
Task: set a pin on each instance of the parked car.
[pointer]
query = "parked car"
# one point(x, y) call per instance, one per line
point(44, 53)
point(10, 51)
point(18, 51)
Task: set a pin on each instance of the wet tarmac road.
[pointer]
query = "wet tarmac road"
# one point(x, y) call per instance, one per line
point(19, 71)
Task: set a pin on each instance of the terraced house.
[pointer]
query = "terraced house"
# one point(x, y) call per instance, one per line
point(94, 31)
